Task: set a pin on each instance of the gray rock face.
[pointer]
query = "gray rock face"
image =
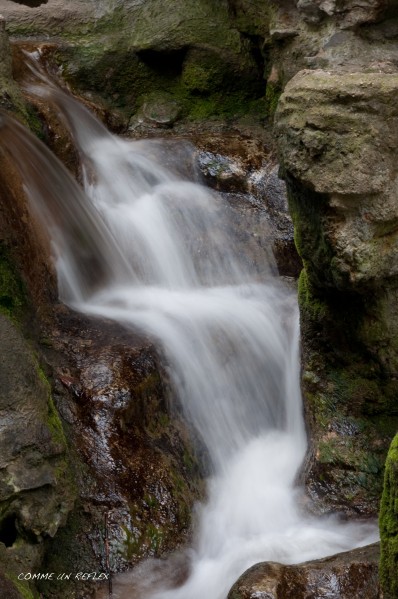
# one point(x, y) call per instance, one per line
point(338, 136)
point(348, 13)
point(350, 575)
point(36, 492)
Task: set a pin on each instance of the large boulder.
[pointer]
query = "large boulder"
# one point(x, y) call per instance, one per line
point(344, 576)
point(337, 135)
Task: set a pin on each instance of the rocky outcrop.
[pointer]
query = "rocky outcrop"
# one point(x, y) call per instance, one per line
point(36, 490)
point(128, 51)
point(337, 130)
point(389, 525)
point(337, 136)
point(348, 14)
point(343, 576)
point(337, 133)
point(136, 474)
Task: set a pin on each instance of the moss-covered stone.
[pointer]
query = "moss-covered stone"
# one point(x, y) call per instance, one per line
point(272, 94)
point(12, 291)
point(36, 488)
point(24, 590)
point(350, 400)
point(389, 525)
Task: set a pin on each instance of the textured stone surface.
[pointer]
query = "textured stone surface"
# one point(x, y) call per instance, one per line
point(137, 476)
point(348, 13)
point(36, 491)
point(350, 575)
point(128, 50)
point(337, 135)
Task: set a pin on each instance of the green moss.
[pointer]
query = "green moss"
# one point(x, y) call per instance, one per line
point(253, 17)
point(23, 587)
point(205, 82)
point(313, 306)
point(52, 417)
point(389, 525)
point(272, 94)
point(12, 290)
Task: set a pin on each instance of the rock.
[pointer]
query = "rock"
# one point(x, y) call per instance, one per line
point(244, 169)
point(251, 16)
point(185, 49)
point(349, 14)
point(333, 147)
point(36, 490)
point(10, 590)
point(337, 141)
point(137, 476)
point(10, 96)
point(162, 110)
point(350, 575)
point(389, 525)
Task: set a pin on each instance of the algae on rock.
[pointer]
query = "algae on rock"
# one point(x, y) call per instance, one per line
point(389, 525)
point(338, 147)
point(36, 488)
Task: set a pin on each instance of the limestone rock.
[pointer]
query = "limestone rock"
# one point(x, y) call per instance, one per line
point(350, 575)
point(161, 110)
point(337, 134)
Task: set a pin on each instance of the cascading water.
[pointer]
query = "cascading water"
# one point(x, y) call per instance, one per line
point(143, 246)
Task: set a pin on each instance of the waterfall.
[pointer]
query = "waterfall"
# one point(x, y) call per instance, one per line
point(146, 247)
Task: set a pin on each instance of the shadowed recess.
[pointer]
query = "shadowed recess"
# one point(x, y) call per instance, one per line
point(30, 3)
point(8, 531)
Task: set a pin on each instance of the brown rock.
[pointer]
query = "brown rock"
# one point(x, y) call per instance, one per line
point(350, 575)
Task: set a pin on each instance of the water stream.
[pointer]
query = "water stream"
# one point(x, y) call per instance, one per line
point(154, 251)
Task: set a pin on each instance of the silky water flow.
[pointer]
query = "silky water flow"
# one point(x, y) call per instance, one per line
point(146, 247)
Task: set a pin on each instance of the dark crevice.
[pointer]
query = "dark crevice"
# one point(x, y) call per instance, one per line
point(8, 531)
point(256, 49)
point(30, 3)
point(167, 63)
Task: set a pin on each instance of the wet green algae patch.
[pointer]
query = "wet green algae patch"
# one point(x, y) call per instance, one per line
point(389, 525)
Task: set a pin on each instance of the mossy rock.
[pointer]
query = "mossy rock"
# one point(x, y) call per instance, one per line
point(12, 291)
point(389, 525)
point(12, 588)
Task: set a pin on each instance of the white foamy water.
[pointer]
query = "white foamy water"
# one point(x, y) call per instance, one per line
point(153, 251)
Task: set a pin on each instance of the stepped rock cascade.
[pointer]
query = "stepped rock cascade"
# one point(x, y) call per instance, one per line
point(145, 247)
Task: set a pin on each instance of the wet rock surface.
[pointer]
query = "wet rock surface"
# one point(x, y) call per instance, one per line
point(338, 143)
point(245, 170)
point(349, 575)
point(136, 473)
